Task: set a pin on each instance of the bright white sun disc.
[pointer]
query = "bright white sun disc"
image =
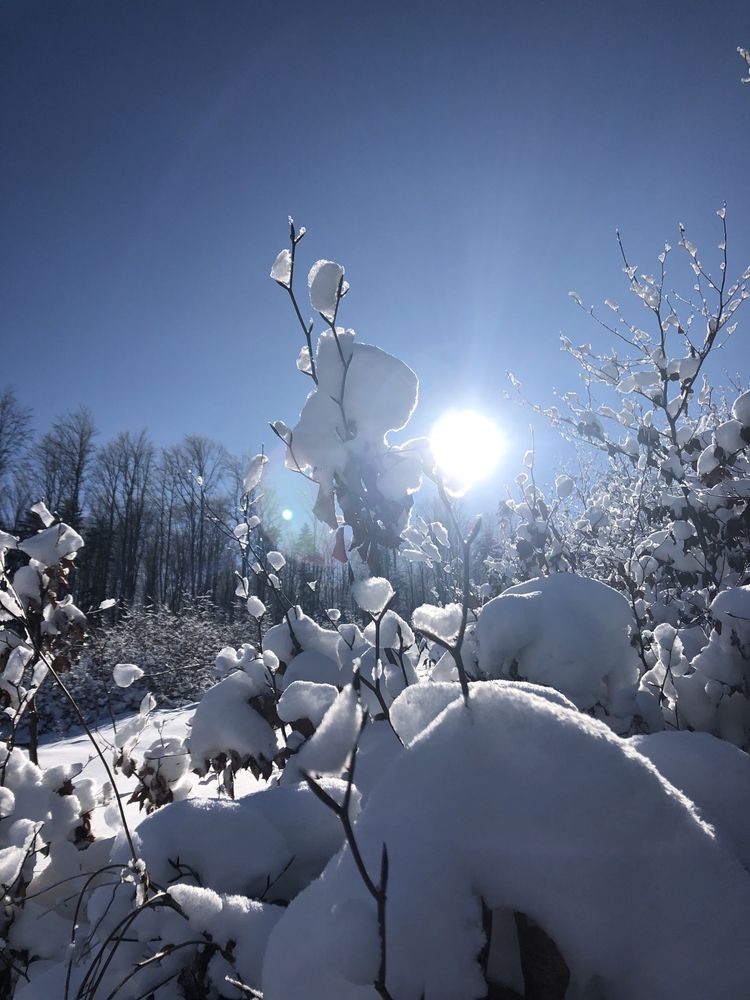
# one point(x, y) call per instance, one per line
point(466, 446)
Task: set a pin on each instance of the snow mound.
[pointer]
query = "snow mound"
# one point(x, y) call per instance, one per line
point(566, 632)
point(306, 700)
point(711, 772)
point(225, 723)
point(419, 704)
point(266, 846)
point(531, 807)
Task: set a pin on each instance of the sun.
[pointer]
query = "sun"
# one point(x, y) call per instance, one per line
point(467, 447)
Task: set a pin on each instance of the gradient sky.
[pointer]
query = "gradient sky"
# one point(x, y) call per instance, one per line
point(468, 162)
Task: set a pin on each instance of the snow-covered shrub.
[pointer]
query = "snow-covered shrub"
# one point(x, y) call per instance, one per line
point(340, 440)
point(40, 627)
point(47, 839)
point(175, 651)
point(665, 520)
point(517, 804)
point(588, 655)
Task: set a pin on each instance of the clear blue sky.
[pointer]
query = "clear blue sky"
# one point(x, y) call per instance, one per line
point(468, 162)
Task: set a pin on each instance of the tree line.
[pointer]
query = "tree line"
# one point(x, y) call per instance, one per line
point(154, 519)
point(158, 522)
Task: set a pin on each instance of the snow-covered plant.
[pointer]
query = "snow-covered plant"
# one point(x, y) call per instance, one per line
point(340, 441)
point(42, 628)
point(47, 835)
point(665, 520)
point(175, 651)
point(745, 54)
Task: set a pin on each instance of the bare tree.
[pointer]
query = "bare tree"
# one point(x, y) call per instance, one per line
point(15, 431)
point(118, 524)
point(61, 462)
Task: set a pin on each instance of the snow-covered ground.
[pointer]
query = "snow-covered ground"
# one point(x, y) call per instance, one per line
point(163, 724)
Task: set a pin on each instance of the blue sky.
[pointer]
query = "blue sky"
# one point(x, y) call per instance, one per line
point(468, 162)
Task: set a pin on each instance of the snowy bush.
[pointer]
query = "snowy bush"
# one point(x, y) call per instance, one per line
point(175, 651)
point(665, 520)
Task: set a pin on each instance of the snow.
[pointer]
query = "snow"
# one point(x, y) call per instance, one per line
point(712, 773)
point(310, 665)
point(254, 472)
point(536, 808)
point(299, 632)
point(708, 460)
point(125, 674)
point(741, 409)
point(255, 607)
point(520, 799)
point(282, 834)
point(244, 927)
point(567, 632)
point(50, 545)
point(281, 271)
point(706, 700)
point(729, 436)
point(27, 583)
point(329, 748)
point(7, 541)
point(239, 925)
point(381, 393)
point(564, 486)
point(395, 633)
point(373, 594)
point(442, 622)
point(276, 561)
point(200, 906)
point(439, 531)
point(42, 512)
point(732, 608)
point(306, 700)
point(224, 723)
point(417, 706)
point(304, 360)
point(325, 281)
point(352, 410)
point(352, 946)
point(76, 751)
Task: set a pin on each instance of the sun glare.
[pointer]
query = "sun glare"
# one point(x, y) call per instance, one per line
point(467, 448)
point(287, 514)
